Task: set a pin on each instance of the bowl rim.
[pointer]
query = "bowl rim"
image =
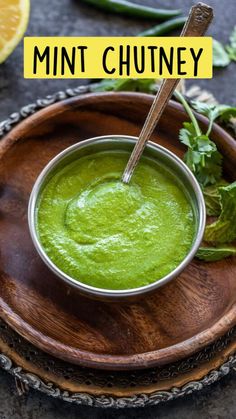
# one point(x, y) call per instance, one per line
point(104, 292)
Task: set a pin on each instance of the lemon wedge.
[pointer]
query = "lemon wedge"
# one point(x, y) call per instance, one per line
point(14, 17)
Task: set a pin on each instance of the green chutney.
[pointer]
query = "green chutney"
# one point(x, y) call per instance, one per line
point(110, 235)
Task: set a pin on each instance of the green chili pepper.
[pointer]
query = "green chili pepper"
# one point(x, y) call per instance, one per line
point(165, 27)
point(130, 9)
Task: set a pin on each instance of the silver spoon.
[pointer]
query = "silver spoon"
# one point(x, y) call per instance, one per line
point(199, 19)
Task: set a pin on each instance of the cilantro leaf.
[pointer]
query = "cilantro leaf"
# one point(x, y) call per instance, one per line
point(224, 229)
point(202, 156)
point(202, 107)
point(231, 48)
point(220, 56)
point(210, 171)
point(212, 198)
point(226, 113)
point(187, 134)
point(211, 254)
point(212, 112)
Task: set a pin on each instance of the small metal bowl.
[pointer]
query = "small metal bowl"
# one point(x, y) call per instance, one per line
point(121, 142)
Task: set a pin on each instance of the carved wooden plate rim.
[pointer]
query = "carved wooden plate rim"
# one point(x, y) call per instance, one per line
point(72, 383)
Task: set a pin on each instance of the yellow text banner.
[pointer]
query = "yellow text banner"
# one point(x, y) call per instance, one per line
point(117, 57)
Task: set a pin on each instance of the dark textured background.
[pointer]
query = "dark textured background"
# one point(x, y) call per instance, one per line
point(70, 17)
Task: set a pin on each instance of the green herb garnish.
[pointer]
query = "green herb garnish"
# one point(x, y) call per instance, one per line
point(220, 56)
point(224, 229)
point(223, 55)
point(231, 48)
point(212, 254)
point(213, 112)
point(202, 156)
point(212, 198)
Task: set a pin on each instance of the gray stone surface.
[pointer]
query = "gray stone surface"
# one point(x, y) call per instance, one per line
point(70, 17)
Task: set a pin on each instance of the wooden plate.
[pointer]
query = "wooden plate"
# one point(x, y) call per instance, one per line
point(180, 319)
point(34, 368)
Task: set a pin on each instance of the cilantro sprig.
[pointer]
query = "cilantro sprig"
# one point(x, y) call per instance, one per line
point(202, 156)
point(222, 113)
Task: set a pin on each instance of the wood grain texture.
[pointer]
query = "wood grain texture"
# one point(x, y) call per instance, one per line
point(178, 320)
point(44, 369)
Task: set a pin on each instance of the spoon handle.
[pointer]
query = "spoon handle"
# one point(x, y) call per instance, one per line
point(199, 19)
